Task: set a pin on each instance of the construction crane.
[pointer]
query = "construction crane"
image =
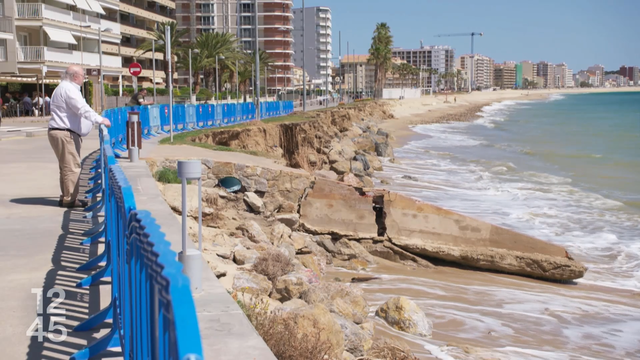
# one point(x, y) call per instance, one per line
point(473, 35)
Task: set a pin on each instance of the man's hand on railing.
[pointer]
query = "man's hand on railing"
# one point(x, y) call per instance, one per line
point(106, 122)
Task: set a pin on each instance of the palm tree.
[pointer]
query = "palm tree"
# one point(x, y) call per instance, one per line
point(404, 70)
point(212, 45)
point(176, 45)
point(459, 78)
point(380, 55)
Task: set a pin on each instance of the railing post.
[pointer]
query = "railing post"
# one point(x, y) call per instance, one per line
point(134, 135)
point(191, 259)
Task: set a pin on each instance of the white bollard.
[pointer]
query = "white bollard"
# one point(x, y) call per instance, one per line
point(134, 153)
point(191, 259)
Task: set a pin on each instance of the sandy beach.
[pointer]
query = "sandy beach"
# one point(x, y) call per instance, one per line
point(441, 108)
point(482, 315)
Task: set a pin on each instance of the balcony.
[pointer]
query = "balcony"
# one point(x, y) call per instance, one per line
point(159, 9)
point(6, 25)
point(43, 11)
point(49, 54)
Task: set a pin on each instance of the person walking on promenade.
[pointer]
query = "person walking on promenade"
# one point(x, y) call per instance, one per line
point(138, 99)
point(71, 119)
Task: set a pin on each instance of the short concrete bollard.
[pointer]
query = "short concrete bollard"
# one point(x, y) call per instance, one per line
point(191, 259)
point(134, 135)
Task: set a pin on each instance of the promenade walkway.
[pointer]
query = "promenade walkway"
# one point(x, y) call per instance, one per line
point(39, 251)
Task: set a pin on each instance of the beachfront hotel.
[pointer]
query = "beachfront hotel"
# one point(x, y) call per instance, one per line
point(317, 40)
point(504, 75)
point(44, 38)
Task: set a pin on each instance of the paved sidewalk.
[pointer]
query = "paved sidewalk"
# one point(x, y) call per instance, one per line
point(39, 249)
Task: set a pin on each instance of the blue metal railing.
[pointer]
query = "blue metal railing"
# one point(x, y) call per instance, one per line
point(155, 118)
point(152, 310)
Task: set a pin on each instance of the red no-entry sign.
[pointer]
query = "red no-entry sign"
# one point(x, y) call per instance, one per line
point(135, 69)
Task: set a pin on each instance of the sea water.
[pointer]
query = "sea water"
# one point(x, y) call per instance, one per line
point(565, 170)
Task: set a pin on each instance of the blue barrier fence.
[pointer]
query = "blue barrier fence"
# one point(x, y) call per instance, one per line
point(155, 118)
point(152, 310)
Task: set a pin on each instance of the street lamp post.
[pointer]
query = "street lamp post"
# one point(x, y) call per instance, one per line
point(217, 71)
point(237, 84)
point(191, 80)
point(304, 55)
point(153, 60)
point(100, 31)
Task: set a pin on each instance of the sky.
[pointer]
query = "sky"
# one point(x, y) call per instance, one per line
point(580, 33)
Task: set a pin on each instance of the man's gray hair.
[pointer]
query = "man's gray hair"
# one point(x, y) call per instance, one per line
point(69, 73)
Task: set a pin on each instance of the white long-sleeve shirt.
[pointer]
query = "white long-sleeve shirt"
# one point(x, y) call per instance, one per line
point(70, 111)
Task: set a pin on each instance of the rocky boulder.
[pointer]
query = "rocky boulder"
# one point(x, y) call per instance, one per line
point(290, 286)
point(356, 341)
point(243, 256)
point(253, 231)
point(327, 174)
point(251, 283)
point(254, 202)
point(341, 167)
point(290, 220)
point(357, 168)
point(280, 234)
point(352, 180)
point(404, 315)
point(347, 250)
point(341, 299)
point(316, 320)
point(383, 149)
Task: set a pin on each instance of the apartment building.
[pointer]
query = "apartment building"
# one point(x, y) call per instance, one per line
point(598, 71)
point(632, 73)
point(569, 79)
point(317, 40)
point(359, 75)
point(275, 28)
point(480, 68)
point(202, 16)
point(529, 70)
point(560, 76)
point(441, 58)
point(504, 75)
point(547, 72)
point(50, 36)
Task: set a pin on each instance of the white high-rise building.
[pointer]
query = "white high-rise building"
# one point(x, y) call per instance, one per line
point(569, 79)
point(317, 55)
point(481, 72)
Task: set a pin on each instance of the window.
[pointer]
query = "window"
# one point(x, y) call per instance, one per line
point(246, 8)
point(247, 33)
point(207, 8)
point(208, 21)
point(3, 50)
point(246, 21)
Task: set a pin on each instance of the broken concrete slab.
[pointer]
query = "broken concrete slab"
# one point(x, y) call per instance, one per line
point(337, 209)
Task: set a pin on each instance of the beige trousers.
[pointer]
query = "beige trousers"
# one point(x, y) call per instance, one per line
point(66, 145)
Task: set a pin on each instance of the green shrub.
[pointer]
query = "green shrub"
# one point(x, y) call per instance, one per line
point(205, 93)
point(184, 91)
point(168, 176)
point(89, 93)
point(13, 87)
point(161, 92)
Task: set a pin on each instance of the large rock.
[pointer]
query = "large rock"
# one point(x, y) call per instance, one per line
point(352, 180)
point(290, 220)
point(374, 162)
point(383, 149)
point(316, 320)
point(252, 230)
point(251, 283)
point(347, 250)
point(254, 202)
point(299, 240)
point(311, 262)
point(280, 234)
point(367, 182)
point(290, 286)
point(335, 208)
point(427, 230)
point(357, 168)
point(243, 256)
point(341, 167)
point(340, 299)
point(327, 174)
point(404, 315)
point(356, 341)
point(365, 143)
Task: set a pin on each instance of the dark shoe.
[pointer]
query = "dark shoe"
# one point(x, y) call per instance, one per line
point(75, 204)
